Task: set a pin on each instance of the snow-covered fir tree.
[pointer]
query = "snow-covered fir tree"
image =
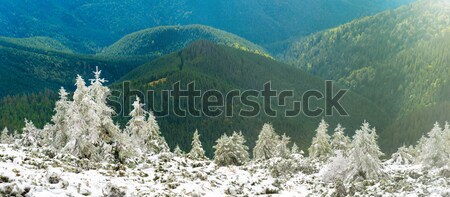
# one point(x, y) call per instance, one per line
point(108, 130)
point(231, 150)
point(156, 141)
point(295, 149)
point(178, 152)
point(144, 131)
point(365, 154)
point(266, 144)
point(282, 148)
point(30, 134)
point(320, 147)
point(90, 128)
point(418, 148)
point(5, 138)
point(434, 148)
point(59, 129)
point(82, 123)
point(197, 152)
point(446, 137)
point(340, 142)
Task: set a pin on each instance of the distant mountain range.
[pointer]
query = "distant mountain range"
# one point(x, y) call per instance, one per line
point(89, 25)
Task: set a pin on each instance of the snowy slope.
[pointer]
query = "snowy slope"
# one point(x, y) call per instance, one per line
point(40, 172)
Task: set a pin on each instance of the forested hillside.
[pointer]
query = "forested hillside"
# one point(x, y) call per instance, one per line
point(158, 41)
point(37, 107)
point(223, 68)
point(34, 64)
point(398, 59)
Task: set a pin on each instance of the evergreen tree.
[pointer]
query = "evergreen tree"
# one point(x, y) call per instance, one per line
point(5, 137)
point(92, 132)
point(107, 130)
point(197, 152)
point(231, 150)
point(282, 148)
point(446, 138)
point(295, 149)
point(365, 154)
point(339, 141)
point(434, 152)
point(178, 152)
point(16, 134)
point(144, 130)
point(266, 144)
point(320, 147)
point(419, 147)
point(156, 142)
point(30, 134)
point(82, 124)
point(60, 129)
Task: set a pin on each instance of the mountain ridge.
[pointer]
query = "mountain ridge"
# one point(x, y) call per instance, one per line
point(397, 58)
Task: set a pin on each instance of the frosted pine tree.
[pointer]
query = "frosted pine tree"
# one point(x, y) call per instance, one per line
point(156, 142)
point(282, 148)
point(446, 139)
point(144, 130)
point(340, 142)
point(365, 154)
point(16, 135)
point(222, 148)
point(266, 144)
point(5, 137)
point(178, 152)
point(320, 147)
point(60, 127)
point(111, 141)
point(239, 147)
point(92, 133)
point(433, 151)
point(418, 148)
point(231, 150)
point(83, 123)
point(197, 152)
point(294, 149)
point(108, 131)
point(30, 134)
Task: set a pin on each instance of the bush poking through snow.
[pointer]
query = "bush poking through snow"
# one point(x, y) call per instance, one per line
point(336, 168)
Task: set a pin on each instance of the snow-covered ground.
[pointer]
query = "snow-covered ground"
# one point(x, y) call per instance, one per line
point(40, 172)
